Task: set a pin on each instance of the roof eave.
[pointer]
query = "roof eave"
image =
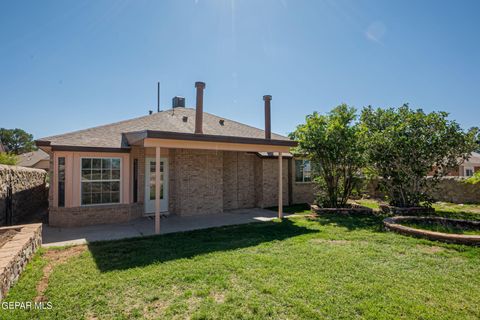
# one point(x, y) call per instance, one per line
point(217, 138)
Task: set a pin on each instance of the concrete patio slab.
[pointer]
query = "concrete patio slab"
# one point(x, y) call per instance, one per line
point(145, 226)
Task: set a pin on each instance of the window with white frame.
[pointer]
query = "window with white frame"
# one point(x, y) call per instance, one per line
point(469, 172)
point(303, 171)
point(101, 180)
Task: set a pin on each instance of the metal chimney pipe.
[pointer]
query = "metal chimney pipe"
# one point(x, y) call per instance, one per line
point(199, 107)
point(268, 130)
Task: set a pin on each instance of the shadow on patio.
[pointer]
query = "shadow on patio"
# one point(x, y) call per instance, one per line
point(138, 252)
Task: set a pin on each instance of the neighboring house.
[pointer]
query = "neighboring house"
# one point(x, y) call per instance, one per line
point(199, 163)
point(36, 159)
point(469, 167)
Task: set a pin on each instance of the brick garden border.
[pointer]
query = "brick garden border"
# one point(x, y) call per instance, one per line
point(387, 209)
point(394, 224)
point(17, 252)
point(355, 209)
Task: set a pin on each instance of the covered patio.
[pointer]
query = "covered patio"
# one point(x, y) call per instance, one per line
point(55, 236)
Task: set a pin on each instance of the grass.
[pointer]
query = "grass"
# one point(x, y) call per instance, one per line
point(334, 267)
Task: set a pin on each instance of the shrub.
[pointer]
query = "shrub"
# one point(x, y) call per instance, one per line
point(404, 146)
point(332, 144)
point(8, 158)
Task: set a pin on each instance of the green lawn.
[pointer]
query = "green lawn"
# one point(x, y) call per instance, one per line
point(332, 267)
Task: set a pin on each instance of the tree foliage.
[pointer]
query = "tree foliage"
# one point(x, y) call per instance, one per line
point(332, 143)
point(474, 179)
point(8, 158)
point(17, 140)
point(405, 145)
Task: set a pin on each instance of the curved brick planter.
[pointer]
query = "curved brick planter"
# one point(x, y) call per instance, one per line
point(394, 224)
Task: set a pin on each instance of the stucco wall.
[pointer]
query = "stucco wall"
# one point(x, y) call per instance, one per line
point(28, 189)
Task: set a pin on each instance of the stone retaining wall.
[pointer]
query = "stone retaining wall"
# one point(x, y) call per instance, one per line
point(29, 190)
point(15, 254)
point(454, 189)
point(449, 189)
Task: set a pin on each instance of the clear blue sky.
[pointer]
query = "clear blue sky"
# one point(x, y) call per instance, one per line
point(68, 65)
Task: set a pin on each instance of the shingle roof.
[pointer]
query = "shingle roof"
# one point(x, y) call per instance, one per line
point(110, 135)
point(29, 159)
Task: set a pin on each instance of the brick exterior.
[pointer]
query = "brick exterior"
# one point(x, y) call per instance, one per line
point(200, 182)
point(89, 215)
point(269, 176)
point(238, 180)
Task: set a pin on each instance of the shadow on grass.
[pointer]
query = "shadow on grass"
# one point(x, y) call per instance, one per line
point(138, 252)
point(370, 222)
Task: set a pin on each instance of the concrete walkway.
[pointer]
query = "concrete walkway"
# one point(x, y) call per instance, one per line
point(145, 226)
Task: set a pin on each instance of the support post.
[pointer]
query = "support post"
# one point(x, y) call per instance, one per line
point(158, 187)
point(280, 186)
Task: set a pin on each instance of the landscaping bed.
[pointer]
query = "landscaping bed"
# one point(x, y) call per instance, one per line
point(436, 228)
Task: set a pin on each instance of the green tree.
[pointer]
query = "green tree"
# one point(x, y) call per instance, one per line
point(405, 145)
point(474, 179)
point(17, 140)
point(332, 143)
point(8, 158)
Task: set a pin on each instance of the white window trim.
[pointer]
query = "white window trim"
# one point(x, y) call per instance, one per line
point(303, 175)
point(121, 183)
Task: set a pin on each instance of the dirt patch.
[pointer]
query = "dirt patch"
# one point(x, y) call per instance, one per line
point(55, 258)
point(330, 241)
point(431, 249)
point(219, 297)
point(6, 236)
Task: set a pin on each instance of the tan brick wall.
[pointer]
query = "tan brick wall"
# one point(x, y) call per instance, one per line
point(270, 183)
point(90, 215)
point(198, 181)
point(302, 192)
point(238, 180)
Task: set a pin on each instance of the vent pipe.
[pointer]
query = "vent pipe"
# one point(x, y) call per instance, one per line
point(199, 107)
point(268, 130)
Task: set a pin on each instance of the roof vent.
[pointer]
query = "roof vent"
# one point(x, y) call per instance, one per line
point(185, 118)
point(178, 102)
point(222, 122)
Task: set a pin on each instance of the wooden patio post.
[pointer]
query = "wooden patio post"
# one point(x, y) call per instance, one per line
point(280, 186)
point(157, 190)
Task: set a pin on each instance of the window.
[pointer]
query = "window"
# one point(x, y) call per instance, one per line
point(469, 172)
point(303, 171)
point(61, 181)
point(100, 180)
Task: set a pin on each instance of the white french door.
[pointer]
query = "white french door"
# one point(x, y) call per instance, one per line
point(150, 185)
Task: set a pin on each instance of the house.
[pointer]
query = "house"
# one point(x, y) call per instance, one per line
point(470, 166)
point(38, 159)
point(179, 161)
